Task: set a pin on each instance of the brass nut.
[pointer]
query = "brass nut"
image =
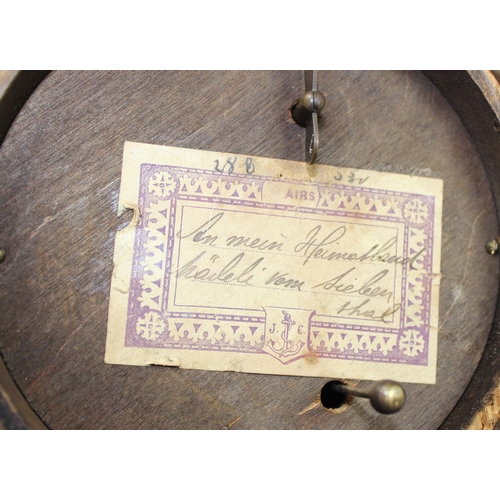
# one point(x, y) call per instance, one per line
point(492, 247)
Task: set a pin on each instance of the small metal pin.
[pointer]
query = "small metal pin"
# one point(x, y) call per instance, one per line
point(306, 111)
point(492, 246)
point(386, 396)
point(3, 254)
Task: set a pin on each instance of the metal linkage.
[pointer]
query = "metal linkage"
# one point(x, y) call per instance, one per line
point(306, 111)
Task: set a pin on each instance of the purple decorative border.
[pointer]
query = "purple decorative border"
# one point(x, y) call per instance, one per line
point(151, 325)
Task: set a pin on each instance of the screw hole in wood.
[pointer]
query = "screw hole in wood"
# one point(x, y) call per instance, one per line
point(333, 400)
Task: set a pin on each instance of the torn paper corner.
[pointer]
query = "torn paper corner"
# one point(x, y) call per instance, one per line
point(233, 262)
point(128, 205)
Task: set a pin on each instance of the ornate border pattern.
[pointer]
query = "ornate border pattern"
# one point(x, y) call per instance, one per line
point(150, 324)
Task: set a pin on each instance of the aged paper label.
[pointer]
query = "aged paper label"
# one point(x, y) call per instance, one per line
point(238, 263)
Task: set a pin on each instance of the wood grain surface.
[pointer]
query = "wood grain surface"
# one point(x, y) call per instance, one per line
point(60, 165)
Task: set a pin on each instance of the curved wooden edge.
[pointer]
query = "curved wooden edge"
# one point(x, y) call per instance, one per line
point(15, 412)
point(488, 416)
point(6, 78)
point(15, 89)
point(475, 96)
point(496, 74)
point(17, 92)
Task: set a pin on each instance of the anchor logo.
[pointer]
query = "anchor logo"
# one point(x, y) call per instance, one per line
point(287, 333)
point(287, 347)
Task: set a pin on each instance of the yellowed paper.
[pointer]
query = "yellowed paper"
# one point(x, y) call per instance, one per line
point(239, 263)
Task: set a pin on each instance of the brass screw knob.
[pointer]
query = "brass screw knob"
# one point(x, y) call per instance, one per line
point(386, 396)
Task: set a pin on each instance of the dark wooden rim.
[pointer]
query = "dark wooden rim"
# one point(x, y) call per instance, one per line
point(16, 412)
point(475, 96)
